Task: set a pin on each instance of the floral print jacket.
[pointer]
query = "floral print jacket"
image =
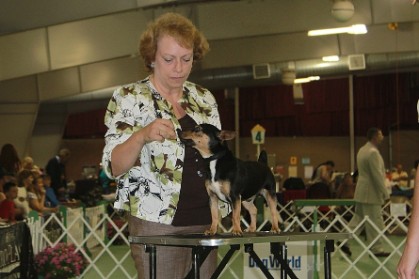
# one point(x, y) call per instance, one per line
point(150, 189)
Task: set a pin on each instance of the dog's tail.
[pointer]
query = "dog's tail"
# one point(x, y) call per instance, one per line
point(263, 157)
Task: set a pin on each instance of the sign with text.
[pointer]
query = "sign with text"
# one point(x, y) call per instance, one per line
point(16, 254)
point(299, 256)
point(258, 134)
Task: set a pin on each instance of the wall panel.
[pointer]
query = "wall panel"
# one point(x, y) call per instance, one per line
point(61, 83)
point(110, 73)
point(275, 48)
point(17, 59)
point(19, 90)
point(16, 129)
point(95, 39)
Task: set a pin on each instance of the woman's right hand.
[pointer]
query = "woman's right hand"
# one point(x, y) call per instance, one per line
point(158, 130)
point(125, 155)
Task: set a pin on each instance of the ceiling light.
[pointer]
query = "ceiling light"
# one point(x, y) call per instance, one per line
point(331, 58)
point(354, 29)
point(288, 76)
point(305, 80)
point(342, 10)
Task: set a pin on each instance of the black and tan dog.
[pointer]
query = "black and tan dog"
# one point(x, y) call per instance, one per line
point(230, 179)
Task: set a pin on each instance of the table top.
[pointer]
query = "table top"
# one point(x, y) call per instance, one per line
point(229, 239)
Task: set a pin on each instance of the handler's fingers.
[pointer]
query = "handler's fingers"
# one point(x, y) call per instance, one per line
point(161, 136)
point(167, 133)
point(166, 129)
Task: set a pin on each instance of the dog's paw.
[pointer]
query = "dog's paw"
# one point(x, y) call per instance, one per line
point(250, 230)
point(237, 232)
point(275, 230)
point(209, 232)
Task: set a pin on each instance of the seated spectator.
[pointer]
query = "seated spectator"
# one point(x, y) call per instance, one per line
point(401, 187)
point(51, 199)
point(36, 197)
point(28, 164)
point(7, 207)
point(400, 177)
point(4, 178)
point(320, 186)
point(346, 189)
point(322, 175)
point(400, 183)
point(24, 181)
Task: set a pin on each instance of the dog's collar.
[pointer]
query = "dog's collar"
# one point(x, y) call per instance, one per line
point(216, 156)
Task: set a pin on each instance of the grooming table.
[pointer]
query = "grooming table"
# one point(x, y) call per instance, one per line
point(202, 245)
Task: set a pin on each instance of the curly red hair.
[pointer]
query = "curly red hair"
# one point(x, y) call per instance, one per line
point(176, 26)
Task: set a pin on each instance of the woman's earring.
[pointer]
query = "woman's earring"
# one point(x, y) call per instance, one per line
point(152, 64)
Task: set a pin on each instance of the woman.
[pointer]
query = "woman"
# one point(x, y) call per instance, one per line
point(28, 164)
point(24, 181)
point(160, 181)
point(323, 173)
point(37, 196)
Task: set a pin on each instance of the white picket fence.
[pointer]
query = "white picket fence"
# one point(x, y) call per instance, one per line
point(109, 256)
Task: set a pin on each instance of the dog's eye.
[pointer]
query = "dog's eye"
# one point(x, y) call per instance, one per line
point(197, 129)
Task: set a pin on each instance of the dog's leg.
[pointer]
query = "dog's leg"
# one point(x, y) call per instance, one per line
point(272, 203)
point(251, 208)
point(214, 215)
point(236, 217)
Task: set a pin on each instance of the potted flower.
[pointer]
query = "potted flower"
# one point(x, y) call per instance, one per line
point(60, 261)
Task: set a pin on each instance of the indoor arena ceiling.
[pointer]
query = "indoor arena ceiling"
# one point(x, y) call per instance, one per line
point(243, 34)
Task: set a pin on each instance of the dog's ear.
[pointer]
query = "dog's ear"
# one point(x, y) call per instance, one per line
point(226, 135)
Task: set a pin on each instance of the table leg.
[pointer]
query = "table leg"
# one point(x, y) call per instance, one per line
point(248, 248)
point(283, 258)
point(225, 260)
point(328, 248)
point(279, 250)
point(195, 262)
point(151, 249)
point(203, 254)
